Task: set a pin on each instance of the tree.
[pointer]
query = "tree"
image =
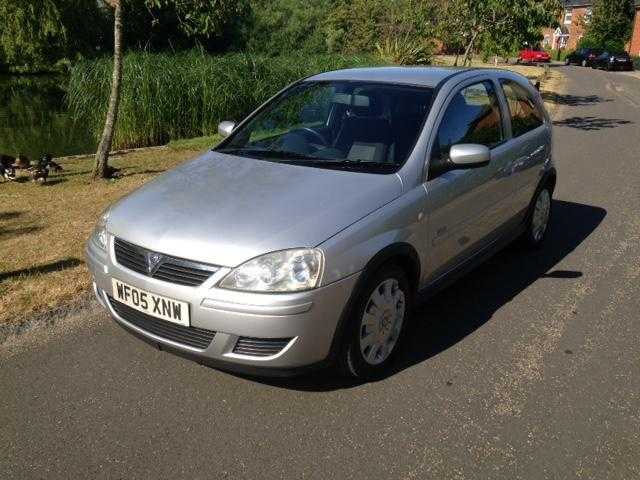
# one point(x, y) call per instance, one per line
point(356, 26)
point(101, 167)
point(36, 34)
point(196, 17)
point(282, 26)
point(611, 24)
point(498, 25)
point(31, 31)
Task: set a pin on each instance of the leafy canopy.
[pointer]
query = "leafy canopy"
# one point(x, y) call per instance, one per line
point(611, 24)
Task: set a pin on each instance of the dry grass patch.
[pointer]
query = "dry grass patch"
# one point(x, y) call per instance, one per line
point(43, 229)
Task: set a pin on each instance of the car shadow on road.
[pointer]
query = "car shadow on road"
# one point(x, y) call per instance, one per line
point(591, 123)
point(573, 100)
point(447, 318)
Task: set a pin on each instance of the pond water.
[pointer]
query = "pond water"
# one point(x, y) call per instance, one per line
point(34, 119)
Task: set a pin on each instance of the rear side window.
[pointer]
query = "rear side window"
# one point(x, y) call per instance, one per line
point(473, 116)
point(525, 114)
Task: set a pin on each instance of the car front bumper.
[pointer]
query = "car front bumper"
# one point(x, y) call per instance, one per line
point(308, 320)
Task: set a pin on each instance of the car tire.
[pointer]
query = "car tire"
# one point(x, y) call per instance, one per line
point(376, 324)
point(538, 218)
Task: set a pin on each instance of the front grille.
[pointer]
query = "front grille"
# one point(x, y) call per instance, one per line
point(260, 347)
point(169, 269)
point(191, 336)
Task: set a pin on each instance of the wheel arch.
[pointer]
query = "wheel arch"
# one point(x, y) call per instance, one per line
point(402, 254)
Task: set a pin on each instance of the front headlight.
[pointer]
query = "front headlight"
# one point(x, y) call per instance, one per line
point(284, 271)
point(99, 235)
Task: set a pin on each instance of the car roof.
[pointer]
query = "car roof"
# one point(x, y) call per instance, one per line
point(423, 76)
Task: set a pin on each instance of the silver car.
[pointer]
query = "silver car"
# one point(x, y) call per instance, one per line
point(306, 236)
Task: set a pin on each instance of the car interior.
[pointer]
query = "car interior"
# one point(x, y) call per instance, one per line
point(369, 123)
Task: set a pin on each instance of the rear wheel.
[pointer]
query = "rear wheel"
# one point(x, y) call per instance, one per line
point(538, 218)
point(377, 323)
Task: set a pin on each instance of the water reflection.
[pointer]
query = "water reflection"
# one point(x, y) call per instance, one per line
point(34, 119)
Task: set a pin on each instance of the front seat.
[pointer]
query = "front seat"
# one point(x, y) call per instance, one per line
point(365, 134)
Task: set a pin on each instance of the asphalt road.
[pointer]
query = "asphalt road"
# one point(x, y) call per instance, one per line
point(527, 368)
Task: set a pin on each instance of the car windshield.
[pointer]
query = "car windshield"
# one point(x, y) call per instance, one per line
point(360, 126)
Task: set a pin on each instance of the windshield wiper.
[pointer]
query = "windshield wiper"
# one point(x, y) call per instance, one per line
point(270, 154)
point(293, 158)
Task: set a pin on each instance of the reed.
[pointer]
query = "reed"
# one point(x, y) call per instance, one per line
point(167, 96)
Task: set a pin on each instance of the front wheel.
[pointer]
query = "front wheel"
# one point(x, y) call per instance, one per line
point(538, 218)
point(376, 325)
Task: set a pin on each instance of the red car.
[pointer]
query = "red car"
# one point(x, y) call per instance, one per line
point(531, 55)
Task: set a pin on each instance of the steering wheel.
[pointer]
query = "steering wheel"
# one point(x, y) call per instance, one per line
point(314, 134)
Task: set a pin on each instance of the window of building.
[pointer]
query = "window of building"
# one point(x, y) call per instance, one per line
point(568, 16)
point(587, 15)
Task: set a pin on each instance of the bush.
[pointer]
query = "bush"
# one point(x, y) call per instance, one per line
point(170, 96)
point(559, 54)
point(403, 51)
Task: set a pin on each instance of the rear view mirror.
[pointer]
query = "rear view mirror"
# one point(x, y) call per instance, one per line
point(311, 114)
point(225, 128)
point(469, 155)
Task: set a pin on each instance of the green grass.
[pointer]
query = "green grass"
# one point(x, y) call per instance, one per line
point(43, 229)
point(198, 143)
point(168, 96)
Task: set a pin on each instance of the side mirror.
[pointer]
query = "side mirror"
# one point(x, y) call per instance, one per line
point(469, 155)
point(225, 128)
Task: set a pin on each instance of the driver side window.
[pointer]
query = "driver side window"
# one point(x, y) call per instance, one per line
point(473, 116)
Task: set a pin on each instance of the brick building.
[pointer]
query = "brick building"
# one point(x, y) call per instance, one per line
point(575, 15)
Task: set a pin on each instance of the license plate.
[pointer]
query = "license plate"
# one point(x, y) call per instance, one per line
point(158, 306)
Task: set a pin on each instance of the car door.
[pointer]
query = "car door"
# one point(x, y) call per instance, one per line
point(464, 205)
point(529, 144)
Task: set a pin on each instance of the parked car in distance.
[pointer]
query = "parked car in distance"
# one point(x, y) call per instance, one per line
point(534, 55)
point(583, 56)
point(304, 238)
point(613, 61)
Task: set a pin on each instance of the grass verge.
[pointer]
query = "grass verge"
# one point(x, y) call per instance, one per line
point(43, 229)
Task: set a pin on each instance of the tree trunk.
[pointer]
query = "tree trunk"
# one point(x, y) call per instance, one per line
point(467, 51)
point(101, 166)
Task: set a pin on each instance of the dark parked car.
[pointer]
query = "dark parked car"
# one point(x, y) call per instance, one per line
point(613, 61)
point(583, 56)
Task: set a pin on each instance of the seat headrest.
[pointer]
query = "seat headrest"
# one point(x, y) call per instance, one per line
point(363, 104)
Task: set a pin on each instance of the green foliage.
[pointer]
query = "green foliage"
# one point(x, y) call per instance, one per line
point(171, 96)
point(40, 34)
point(358, 25)
point(205, 18)
point(279, 27)
point(403, 51)
point(611, 24)
point(31, 32)
point(508, 25)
